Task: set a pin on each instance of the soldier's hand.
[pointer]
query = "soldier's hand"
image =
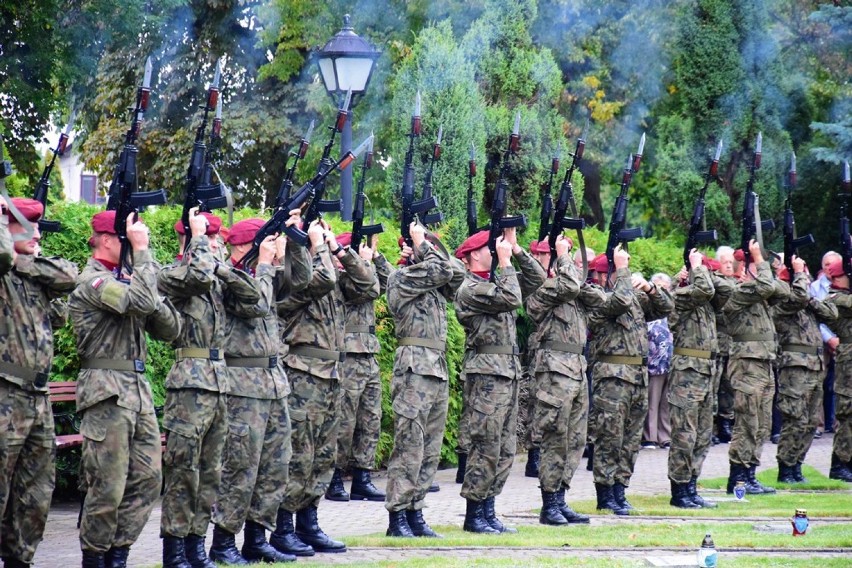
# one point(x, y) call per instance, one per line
point(406, 252)
point(266, 252)
point(798, 264)
point(280, 247)
point(197, 223)
point(418, 234)
point(504, 253)
point(695, 258)
point(833, 343)
point(510, 234)
point(563, 245)
point(620, 258)
point(316, 234)
point(639, 283)
point(333, 245)
point(755, 252)
point(683, 275)
point(295, 218)
point(137, 233)
point(365, 252)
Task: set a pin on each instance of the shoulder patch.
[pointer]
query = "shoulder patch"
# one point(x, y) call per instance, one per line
point(96, 283)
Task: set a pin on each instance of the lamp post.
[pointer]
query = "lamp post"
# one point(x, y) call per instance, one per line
point(346, 63)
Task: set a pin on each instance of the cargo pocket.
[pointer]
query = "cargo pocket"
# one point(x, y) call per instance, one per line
point(236, 455)
point(547, 409)
point(604, 412)
point(679, 397)
point(182, 445)
point(93, 428)
point(404, 405)
point(792, 406)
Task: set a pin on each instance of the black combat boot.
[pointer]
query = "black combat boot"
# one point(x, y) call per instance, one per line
point(786, 473)
point(173, 553)
point(619, 496)
point(680, 496)
point(284, 537)
point(550, 513)
point(336, 491)
point(572, 516)
point(363, 488)
point(533, 461)
point(797, 473)
point(474, 521)
point(590, 463)
point(461, 468)
point(606, 501)
point(434, 487)
point(418, 524)
point(116, 557)
point(737, 473)
point(398, 525)
point(696, 498)
point(257, 549)
point(839, 469)
point(725, 430)
point(490, 517)
point(93, 559)
point(15, 563)
point(752, 480)
point(224, 549)
point(309, 532)
point(196, 554)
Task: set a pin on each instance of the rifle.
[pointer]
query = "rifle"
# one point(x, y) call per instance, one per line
point(432, 218)
point(277, 222)
point(472, 225)
point(696, 236)
point(123, 197)
point(547, 198)
point(412, 209)
point(318, 205)
point(845, 239)
point(359, 230)
point(563, 202)
point(287, 182)
point(43, 185)
point(6, 171)
point(753, 227)
point(791, 242)
point(498, 206)
point(195, 194)
point(222, 199)
point(617, 232)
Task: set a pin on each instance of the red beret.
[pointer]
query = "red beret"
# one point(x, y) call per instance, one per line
point(224, 232)
point(31, 209)
point(472, 243)
point(104, 222)
point(244, 231)
point(835, 268)
point(783, 274)
point(712, 265)
point(344, 239)
point(600, 263)
point(539, 247)
point(214, 223)
point(739, 255)
point(401, 242)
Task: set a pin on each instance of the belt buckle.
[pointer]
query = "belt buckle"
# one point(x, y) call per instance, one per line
point(214, 355)
point(139, 365)
point(645, 361)
point(372, 329)
point(40, 380)
point(516, 350)
point(341, 357)
point(273, 362)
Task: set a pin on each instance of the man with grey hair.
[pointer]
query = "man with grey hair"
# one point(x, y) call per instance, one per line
point(723, 394)
point(819, 290)
point(578, 258)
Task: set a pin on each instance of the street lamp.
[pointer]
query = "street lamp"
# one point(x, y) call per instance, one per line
point(346, 63)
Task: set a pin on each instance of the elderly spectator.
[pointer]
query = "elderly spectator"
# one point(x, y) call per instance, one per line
point(658, 430)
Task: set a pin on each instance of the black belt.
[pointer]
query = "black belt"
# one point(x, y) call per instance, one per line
point(128, 365)
point(38, 379)
point(360, 329)
point(252, 362)
point(317, 353)
point(496, 350)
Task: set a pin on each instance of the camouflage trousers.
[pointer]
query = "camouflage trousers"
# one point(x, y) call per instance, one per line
point(560, 421)
point(492, 421)
point(314, 416)
point(724, 398)
point(463, 437)
point(799, 401)
point(754, 387)
point(360, 411)
point(526, 411)
point(419, 415)
point(691, 412)
point(121, 469)
point(254, 463)
point(27, 452)
point(197, 423)
point(618, 415)
point(843, 435)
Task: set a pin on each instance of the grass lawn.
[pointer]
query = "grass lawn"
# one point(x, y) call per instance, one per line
point(816, 481)
point(535, 562)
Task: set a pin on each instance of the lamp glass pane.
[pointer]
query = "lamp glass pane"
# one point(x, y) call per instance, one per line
point(326, 66)
point(353, 73)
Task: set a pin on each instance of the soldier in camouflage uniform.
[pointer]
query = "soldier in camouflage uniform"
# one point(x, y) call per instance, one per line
point(196, 416)
point(691, 379)
point(841, 296)
point(801, 371)
point(313, 323)
point(30, 288)
point(257, 450)
point(417, 298)
point(360, 391)
point(492, 367)
point(753, 348)
point(121, 463)
point(724, 394)
point(561, 395)
point(620, 375)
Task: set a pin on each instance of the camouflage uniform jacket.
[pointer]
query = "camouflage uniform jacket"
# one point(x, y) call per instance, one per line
point(110, 318)
point(559, 309)
point(203, 289)
point(417, 298)
point(31, 309)
point(619, 327)
point(718, 303)
point(487, 312)
point(748, 315)
point(693, 322)
point(842, 299)
point(315, 316)
point(362, 313)
point(797, 322)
